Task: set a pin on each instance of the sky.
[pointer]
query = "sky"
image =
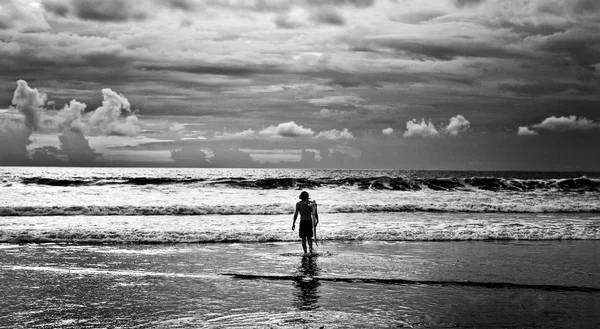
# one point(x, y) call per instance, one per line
point(399, 84)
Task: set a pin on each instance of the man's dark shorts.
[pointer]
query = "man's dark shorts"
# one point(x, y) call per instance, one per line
point(305, 229)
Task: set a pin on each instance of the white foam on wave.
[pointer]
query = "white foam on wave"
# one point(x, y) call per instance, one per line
point(453, 204)
point(339, 227)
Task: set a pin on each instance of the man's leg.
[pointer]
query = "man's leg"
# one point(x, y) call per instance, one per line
point(304, 244)
point(309, 245)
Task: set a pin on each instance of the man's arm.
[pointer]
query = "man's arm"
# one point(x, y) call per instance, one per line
point(295, 217)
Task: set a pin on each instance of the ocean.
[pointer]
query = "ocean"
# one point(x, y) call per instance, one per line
point(213, 248)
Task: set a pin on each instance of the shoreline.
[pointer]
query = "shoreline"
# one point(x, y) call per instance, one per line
point(348, 284)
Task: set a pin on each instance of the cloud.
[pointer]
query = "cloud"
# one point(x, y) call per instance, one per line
point(335, 134)
point(77, 148)
point(446, 49)
point(70, 117)
point(525, 131)
point(467, 3)
point(388, 131)
point(417, 17)
point(102, 11)
point(457, 124)
point(107, 118)
point(29, 102)
point(564, 124)
point(334, 114)
point(355, 3)
point(232, 158)
point(177, 127)
point(23, 17)
point(423, 129)
point(190, 157)
point(288, 129)
point(287, 22)
point(329, 17)
point(14, 140)
point(348, 100)
point(548, 88)
point(71, 120)
point(248, 133)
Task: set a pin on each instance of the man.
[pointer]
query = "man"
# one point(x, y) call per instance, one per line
point(305, 208)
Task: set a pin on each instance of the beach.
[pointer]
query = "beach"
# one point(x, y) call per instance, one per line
point(483, 284)
point(191, 248)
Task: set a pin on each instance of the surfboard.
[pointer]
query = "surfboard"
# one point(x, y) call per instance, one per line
point(313, 214)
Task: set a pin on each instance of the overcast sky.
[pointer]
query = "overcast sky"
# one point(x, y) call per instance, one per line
point(437, 84)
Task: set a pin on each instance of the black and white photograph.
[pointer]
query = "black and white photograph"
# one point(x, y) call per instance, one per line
point(299, 164)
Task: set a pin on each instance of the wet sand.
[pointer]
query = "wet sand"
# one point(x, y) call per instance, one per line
point(483, 284)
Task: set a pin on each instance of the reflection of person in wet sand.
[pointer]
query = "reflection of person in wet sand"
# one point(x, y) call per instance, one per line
point(307, 295)
point(305, 208)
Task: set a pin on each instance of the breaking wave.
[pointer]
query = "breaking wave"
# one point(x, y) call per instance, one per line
point(580, 184)
point(229, 234)
point(286, 208)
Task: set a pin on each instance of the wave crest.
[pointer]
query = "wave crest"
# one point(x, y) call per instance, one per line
point(581, 184)
point(286, 208)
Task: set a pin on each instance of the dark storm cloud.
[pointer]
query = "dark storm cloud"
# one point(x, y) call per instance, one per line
point(103, 11)
point(185, 5)
point(329, 17)
point(579, 45)
point(355, 3)
point(466, 3)
point(444, 50)
point(549, 88)
point(280, 6)
point(218, 69)
point(15, 138)
point(417, 17)
point(284, 22)
point(526, 29)
point(60, 50)
point(56, 7)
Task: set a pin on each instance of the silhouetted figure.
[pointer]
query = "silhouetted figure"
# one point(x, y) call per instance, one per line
point(306, 209)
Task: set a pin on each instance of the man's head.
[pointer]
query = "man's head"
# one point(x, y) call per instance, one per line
point(304, 196)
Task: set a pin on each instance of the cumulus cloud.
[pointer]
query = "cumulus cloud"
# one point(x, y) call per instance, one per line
point(232, 158)
point(77, 148)
point(525, 131)
point(423, 129)
point(177, 127)
point(388, 131)
point(70, 117)
point(107, 118)
point(564, 124)
point(14, 140)
point(457, 124)
point(334, 114)
point(287, 129)
point(335, 134)
point(239, 135)
point(30, 115)
point(29, 102)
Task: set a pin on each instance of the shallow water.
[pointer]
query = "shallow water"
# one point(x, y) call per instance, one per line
point(371, 284)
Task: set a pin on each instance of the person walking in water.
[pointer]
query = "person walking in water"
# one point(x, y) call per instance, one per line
point(305, 208)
